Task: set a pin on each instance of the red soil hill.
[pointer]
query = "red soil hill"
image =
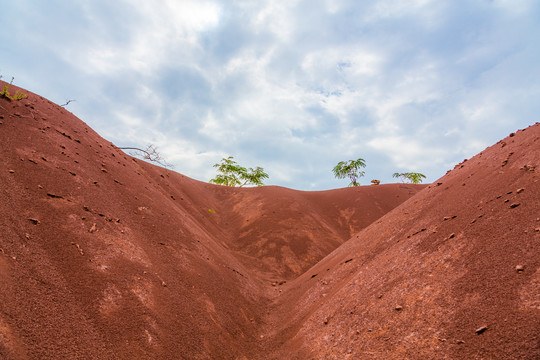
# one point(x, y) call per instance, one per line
point(103, 256)
point(453, 273)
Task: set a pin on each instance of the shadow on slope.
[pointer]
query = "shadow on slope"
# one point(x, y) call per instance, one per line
point(279, 233)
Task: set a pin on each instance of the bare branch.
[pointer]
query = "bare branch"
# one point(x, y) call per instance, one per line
point(67, 102)
point(150, 153)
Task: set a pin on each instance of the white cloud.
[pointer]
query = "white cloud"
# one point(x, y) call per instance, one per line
point(154, 39)
point(425, 11)
point(515, 7)
point(407, 153)
point(292, 86)
point(275, 17)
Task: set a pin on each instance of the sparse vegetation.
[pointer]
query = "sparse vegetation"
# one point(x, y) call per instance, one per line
point(232, 174)
point(17, 96)
point(350, 169)
point(412, 177)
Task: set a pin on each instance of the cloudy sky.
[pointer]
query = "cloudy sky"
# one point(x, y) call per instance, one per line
point(292, 86)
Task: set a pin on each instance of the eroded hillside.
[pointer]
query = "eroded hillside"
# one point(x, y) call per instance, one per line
point(105, 256)
point(452, 273)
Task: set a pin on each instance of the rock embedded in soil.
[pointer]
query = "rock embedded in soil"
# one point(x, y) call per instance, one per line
point(481, 329)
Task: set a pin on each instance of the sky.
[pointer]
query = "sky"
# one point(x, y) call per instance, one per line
point(291, 86)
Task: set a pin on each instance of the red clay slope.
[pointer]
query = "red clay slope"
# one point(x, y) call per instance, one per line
point(453, 273)
point(103, 256)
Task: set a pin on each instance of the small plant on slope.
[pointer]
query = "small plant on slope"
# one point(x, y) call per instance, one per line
point(412, 177)
point(350, 169)
point(5, 92)
point(18, 95)
point(232, 174)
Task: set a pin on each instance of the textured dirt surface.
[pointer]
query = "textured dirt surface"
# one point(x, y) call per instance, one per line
point(103, 256)
point(453, 273)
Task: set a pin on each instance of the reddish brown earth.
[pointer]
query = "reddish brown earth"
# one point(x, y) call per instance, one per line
point(103, 256)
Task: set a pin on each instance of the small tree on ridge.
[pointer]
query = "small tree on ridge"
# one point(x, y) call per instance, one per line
point(412, 177)
point(350, 169)
point(233, 174)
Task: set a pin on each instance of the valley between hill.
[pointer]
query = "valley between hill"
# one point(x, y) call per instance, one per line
point(105, 256)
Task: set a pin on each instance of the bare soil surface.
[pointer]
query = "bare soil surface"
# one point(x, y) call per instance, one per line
point(104, 256)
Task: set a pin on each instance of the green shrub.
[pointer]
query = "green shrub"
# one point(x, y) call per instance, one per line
point(350, 169)
point(233, 174)
point(18, 95)
point(412, 177)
